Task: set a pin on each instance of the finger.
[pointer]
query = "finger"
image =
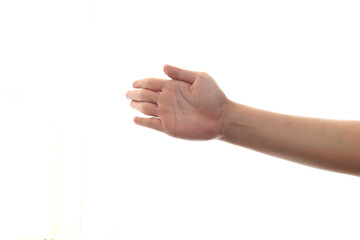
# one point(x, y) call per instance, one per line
point(153, 123)
point(145, 107)
point(180, 74)
point(143, 96)
point(153, 84)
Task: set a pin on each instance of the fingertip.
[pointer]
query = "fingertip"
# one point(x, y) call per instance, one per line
point(135, 120)
point(165, 68)
point(132, 104)
point(135, 84)
point(170, 71)
point(139, 121)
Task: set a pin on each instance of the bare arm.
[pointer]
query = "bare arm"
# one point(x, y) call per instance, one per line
point(328, 144)
point(192, 106)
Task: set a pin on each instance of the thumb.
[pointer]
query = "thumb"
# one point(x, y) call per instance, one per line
point(180, 74)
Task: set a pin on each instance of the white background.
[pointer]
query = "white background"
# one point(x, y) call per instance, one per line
point(73, 165)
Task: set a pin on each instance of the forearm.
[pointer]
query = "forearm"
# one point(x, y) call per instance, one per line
point(328, 144)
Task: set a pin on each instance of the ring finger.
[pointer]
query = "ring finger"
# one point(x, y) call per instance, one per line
point(145, 107)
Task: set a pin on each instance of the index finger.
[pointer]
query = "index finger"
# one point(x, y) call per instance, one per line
point(153, 84)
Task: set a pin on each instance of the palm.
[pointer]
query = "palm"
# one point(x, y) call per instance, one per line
point(190, 106)
point(192, 111)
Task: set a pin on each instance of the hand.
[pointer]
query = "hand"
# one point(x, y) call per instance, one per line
point(190, 106)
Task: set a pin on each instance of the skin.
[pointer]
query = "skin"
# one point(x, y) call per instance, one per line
point(192, 106)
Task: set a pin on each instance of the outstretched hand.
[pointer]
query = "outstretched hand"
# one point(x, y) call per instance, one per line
point(189, 106)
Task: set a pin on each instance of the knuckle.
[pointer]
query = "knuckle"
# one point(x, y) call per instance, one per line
point(158, 98)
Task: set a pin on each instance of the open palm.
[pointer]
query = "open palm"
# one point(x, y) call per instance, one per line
point(190, 106)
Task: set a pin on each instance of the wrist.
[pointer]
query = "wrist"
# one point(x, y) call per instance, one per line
point(235, 123)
